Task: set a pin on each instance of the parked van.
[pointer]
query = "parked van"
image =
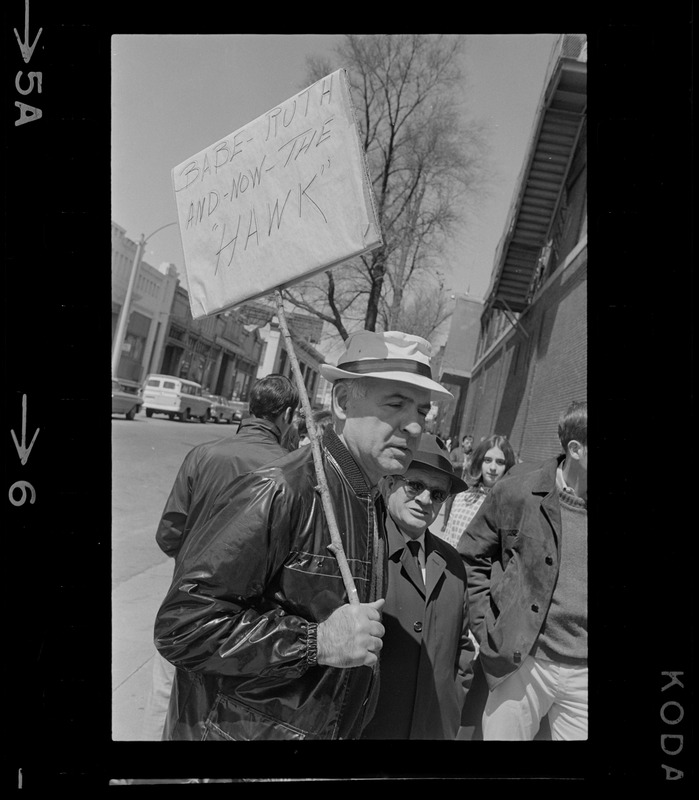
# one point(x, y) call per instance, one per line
point(175, 397)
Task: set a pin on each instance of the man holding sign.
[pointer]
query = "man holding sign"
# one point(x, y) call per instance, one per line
point(257, 620)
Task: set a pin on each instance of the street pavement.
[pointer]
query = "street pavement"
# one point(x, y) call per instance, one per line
point(146, 454)
point(134, 606)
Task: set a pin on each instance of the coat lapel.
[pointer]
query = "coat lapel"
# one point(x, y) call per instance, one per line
point(436, 564)
point(411, 570)
point(396, 546)
point(549, 505)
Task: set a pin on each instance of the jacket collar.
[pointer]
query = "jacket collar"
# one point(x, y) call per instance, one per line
point(546, 480)
point(396, 543)
point(546, 485)
point(259, 423)
point(348, 466)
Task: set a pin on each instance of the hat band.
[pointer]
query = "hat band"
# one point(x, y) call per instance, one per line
point(387, 365)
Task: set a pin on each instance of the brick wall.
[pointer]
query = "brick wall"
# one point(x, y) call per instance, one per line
point(560, 374)
point(521, 388)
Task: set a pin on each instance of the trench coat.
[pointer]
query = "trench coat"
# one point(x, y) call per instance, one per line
point(426, 658)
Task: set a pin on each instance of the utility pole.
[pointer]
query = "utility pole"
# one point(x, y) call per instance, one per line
point(125, 312)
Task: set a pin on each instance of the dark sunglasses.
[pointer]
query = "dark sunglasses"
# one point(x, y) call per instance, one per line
point(415, 488)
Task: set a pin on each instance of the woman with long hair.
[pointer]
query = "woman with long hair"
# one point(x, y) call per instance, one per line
point(490, 460)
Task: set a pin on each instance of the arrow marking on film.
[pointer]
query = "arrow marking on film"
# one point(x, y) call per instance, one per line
point(24, 46)
point(22, 450)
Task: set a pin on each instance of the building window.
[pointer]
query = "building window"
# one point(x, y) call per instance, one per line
point(133, 347)
point(282, 362)
point(239, 389)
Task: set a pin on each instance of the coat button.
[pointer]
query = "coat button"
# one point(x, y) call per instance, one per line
point(417, 626)
point(549, 560)
point(535, 607)
point(516, 656)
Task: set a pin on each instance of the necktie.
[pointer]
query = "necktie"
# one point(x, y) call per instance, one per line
point(414, 548)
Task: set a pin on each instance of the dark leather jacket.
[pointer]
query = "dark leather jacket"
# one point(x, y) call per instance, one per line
point(207, 470)
point(252, 583)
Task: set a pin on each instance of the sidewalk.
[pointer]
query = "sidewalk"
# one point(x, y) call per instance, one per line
point(134, 606)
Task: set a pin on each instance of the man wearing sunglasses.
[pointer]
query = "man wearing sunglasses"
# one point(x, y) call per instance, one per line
point(427, 653)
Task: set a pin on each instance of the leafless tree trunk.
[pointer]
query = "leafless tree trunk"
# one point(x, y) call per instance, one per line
point(424, 311)
point(424, 162)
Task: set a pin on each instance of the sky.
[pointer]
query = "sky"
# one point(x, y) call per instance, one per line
point(174, 95)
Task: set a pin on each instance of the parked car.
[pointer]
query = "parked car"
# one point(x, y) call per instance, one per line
point(126, 398)
point(240, 409)
point(175, 397)
point(221, 409)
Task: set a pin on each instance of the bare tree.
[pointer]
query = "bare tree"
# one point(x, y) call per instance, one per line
point(423, 160)
point(423, 310)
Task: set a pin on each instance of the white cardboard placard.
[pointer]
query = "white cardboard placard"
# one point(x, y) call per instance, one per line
point(281, 198)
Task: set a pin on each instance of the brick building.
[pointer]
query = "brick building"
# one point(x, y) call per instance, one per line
point(221, 352)
point(455, 363)
point(531, 357)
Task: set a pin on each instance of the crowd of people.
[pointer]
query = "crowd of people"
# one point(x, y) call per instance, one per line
point(475, 630)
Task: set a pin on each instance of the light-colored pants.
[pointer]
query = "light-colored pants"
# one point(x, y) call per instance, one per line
point(158, 699)
point(516, 706)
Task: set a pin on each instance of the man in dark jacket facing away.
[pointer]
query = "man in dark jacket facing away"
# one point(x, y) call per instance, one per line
point(205, 472)
point(526, 560)
point(257, 620)
point(210, 467)
point(427, 652)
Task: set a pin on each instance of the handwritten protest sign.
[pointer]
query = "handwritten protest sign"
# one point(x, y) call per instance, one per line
point(282, 198)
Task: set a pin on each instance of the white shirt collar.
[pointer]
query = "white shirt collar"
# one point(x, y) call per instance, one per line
point(561, 481)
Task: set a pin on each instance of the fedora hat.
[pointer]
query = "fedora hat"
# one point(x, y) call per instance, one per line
point(392, 355)
point(433, 455)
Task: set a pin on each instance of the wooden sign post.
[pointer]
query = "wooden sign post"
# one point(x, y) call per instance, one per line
point(336, 540)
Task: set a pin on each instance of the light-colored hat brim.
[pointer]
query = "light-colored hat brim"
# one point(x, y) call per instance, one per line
point(331, 373)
